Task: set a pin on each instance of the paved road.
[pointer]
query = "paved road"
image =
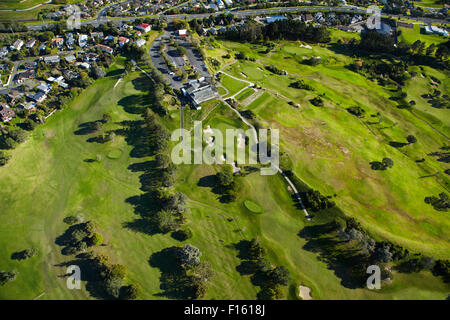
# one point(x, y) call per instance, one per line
point(101, 18)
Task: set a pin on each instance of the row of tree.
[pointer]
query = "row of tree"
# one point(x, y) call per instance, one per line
point(282, 29)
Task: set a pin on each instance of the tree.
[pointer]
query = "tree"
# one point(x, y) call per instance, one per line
point(279, 275)
point(90, 227)
point(7, 276)
point(129, 66)
point(18, 135)
point(113, 286)
point(130, 292)
point(106, 117)
point(29, 124)
point(115, 271)
point(4, 158)
point(411, 139)
point(255, 250)
point(430, 50)
point(162, 160)
point(189, 256)
point(225, 176)
point(98, 72)
point(166, 221)
point(177, 203)
point(387, 162)
point(96, 239)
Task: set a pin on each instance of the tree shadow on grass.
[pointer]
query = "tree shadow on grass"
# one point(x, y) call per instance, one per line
point(133, 104)
point(173, 279)
point(397, 144)
point(87, 128)
point(90, 274)
point(344, 261)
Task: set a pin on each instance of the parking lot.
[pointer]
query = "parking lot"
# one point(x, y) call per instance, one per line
point(160, 64)
point(194, 58)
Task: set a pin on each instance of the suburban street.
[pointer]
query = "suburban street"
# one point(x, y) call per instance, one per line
point(102, 18)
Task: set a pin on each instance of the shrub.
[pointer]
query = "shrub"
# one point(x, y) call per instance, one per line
point(7, 276)
point(182, 235)
point(317, 101)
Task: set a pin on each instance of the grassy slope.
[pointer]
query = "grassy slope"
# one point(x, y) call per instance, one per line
point(57, 182)
point(340, 147)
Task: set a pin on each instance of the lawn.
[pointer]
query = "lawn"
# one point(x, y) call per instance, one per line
point(19, 4)
point(410, 35)
point(49, 179)
point(232, 85)
point(332, 150)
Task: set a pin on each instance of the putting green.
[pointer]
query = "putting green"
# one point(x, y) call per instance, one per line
point(253, 206)
point(115, 154)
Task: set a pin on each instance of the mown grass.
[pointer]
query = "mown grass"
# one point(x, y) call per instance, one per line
point(332, 149)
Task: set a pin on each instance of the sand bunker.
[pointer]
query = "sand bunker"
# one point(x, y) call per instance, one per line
point(305, 293)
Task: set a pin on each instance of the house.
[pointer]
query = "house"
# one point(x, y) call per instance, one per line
point(30, 65)
point(38, 97)
point(70, 58)
point(52, 59)
point(69, 74)
point(274, 18)
point(140, 42)
point(3, 52)
point(42, 46)
point(70, 41)
point(30, 106)
point(91, 57)
point(44, 87)
point(123, 41)
point(6, 113)
point(108, 38)
point(182, 33)
point(96, 35)
point(220, 4)
point(21, 77)
point(319, 17)
point(435, 30)
point(13, 96)
point(308, 17)
point(384, 29)
point(58, 42)
point(59, 81)
point(30, 44)
point(228, 3)
point(105, 48)
point(84, 65)
point(144, 27)
point(124, 27)
point(82, 40)
point(17, 45)
point(199, 91)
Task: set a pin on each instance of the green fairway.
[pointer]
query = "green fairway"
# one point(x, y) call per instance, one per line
point(253, 206)
point(332, 149)
point(233, 86)
point(19, 4)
